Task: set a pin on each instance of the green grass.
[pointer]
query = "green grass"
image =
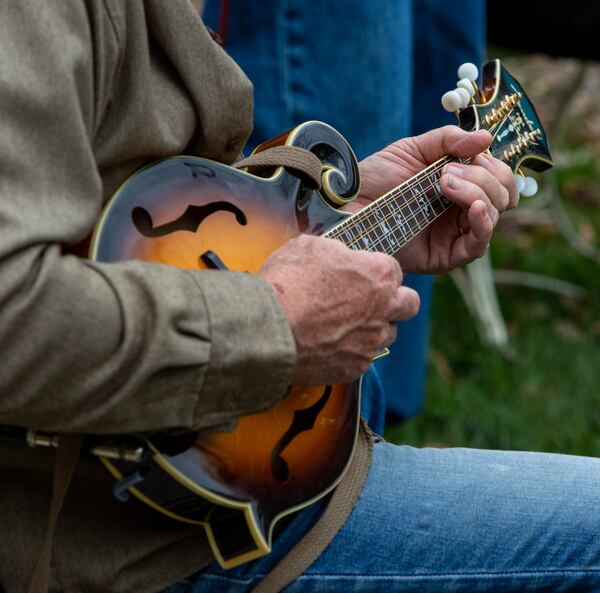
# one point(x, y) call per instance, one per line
point(546, 395)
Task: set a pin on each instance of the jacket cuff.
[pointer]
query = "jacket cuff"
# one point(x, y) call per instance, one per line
point(252, 347)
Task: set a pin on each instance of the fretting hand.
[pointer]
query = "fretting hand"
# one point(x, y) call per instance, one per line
point(480, 191)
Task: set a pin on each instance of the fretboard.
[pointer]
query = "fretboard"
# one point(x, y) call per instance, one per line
point(391, 221)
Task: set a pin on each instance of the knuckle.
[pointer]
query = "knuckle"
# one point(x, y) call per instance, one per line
point(304, 239)
point(505, 173)
point(505, 199)
point(304, 242)
point(474, 191)
point(476, 174)
point(384, 265)
point(481, 175)
point(389, 262)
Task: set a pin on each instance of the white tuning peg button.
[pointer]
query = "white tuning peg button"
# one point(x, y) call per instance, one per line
point(530, 188)
point(451, 101)
point(469, 71)
point(520, 183)
point(464, 96)
point(465, 83)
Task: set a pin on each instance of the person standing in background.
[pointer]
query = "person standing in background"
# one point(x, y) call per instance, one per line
point(374, 71)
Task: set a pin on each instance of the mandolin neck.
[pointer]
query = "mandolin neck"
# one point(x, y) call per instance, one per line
point(388, 223)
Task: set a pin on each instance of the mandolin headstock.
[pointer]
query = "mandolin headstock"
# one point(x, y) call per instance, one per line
point(501, 106)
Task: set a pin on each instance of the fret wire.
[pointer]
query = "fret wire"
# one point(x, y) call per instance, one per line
point(360, 215)
point(427, 175)
point(395, 226)
point(437, 215)
point(364, 215)
point(431, 169)
point(406, 237)
point(427, 221)
point(434, 218)
point(406, 204)
point(357, 218)
point(429, 217)
point(436, 199)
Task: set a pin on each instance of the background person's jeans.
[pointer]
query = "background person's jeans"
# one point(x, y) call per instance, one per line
point(373, 70)
point(441, 520)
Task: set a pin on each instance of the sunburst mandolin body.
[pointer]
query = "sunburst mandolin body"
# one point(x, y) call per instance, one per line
point(197, 214)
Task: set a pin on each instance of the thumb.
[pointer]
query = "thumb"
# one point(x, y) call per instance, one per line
point(453, 141)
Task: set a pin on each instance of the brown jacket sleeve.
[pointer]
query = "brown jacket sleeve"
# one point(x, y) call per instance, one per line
point(91, 347)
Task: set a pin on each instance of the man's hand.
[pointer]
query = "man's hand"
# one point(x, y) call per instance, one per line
point(341, 305)
point(480, 191)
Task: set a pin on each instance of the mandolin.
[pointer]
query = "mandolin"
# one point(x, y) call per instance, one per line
point(197, 214)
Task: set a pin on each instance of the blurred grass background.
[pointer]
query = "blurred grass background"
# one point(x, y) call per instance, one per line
point(543, 394)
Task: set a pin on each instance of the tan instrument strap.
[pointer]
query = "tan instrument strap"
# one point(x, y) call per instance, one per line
point(310, 547)
point(291, 157)
point(67, 454)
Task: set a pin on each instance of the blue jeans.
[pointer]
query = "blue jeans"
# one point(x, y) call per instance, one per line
point(441, 520)
point(375, 71)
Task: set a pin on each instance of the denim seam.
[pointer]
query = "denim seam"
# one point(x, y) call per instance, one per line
point(550, 572)
point(532, 573)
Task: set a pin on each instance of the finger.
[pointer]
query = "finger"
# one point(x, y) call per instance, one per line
point(475, 243)
point(503, 173)
point(478, 238)
point(463, 222)
point(405, 305)
point(494, 191)
point(451, 140)
point(465, 193)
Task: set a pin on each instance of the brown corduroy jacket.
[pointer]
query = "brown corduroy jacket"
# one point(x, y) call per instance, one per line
point(91, 90)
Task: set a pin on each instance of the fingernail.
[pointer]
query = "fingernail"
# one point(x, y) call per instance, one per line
point(453, 170)
point(454, 182)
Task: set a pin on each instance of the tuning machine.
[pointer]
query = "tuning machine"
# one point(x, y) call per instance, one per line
point(505, 106)
point(465, 91)
point(517, 147)
point(527, 186)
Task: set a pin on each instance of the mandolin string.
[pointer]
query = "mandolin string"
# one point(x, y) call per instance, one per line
point(379, 242)
point(406, 235)
point(397, 245)
point(387, 199)
point(391, 195)
point(394, 192)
